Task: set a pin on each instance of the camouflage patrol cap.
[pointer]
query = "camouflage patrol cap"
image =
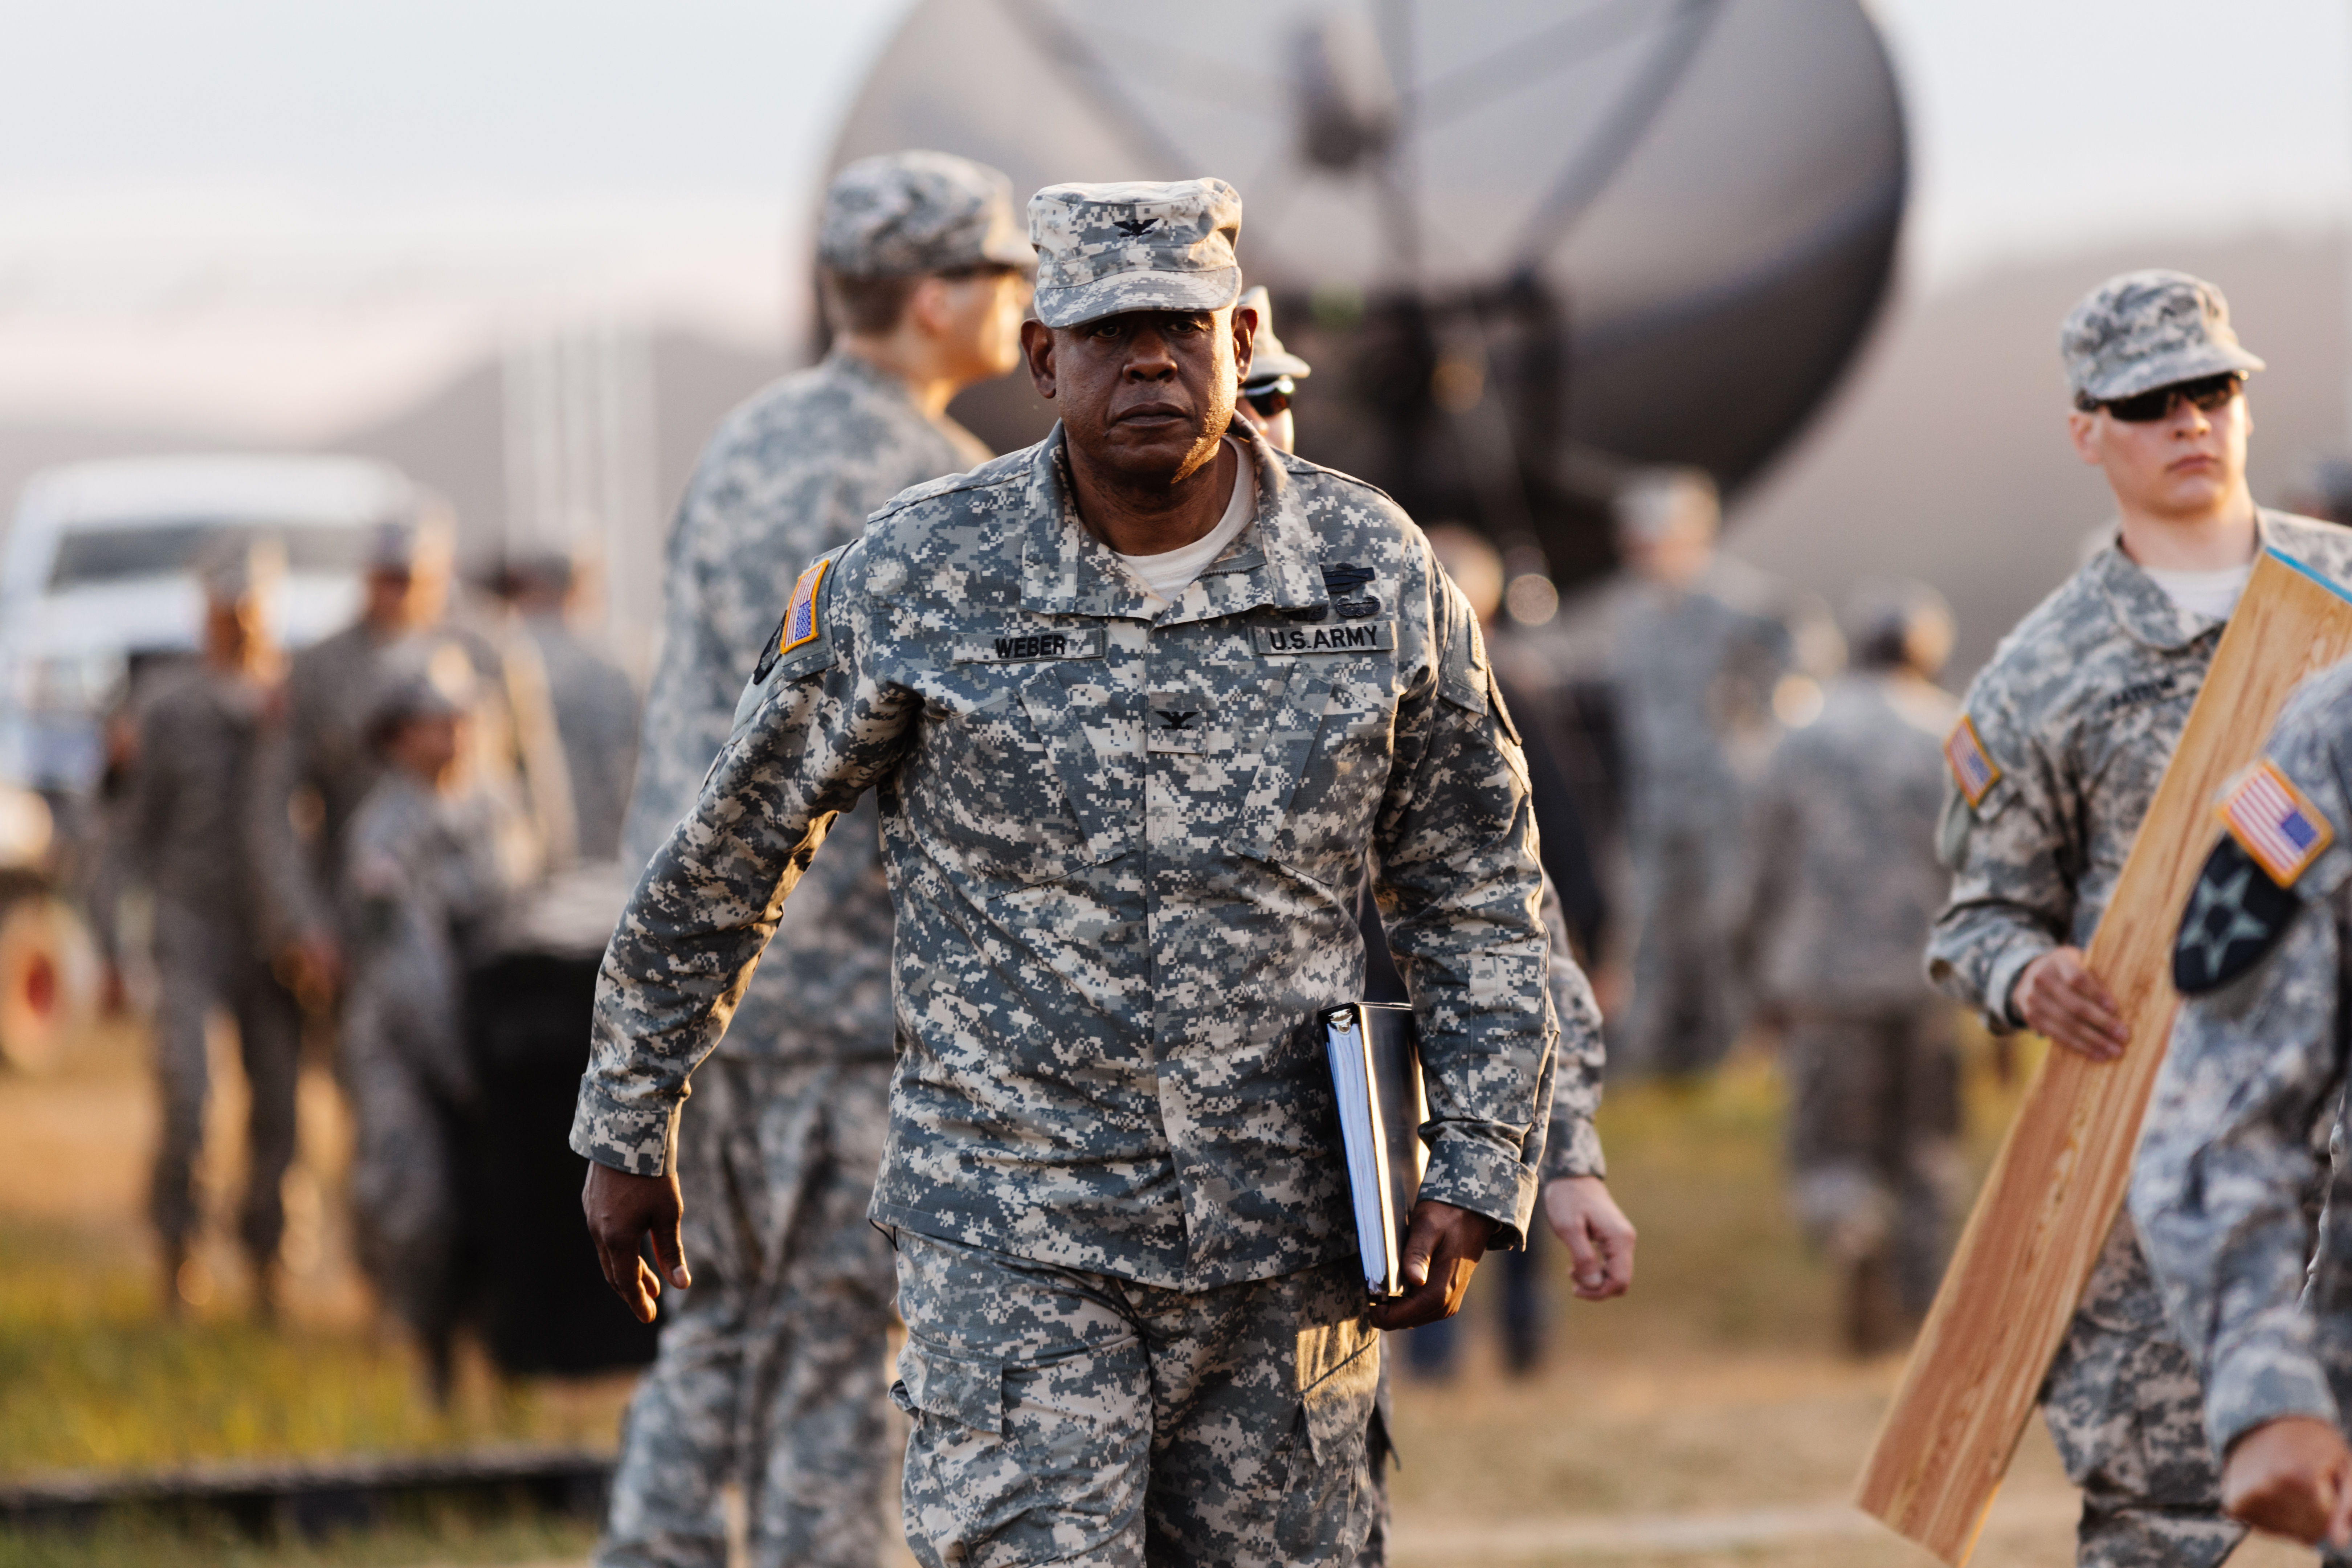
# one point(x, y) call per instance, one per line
point(902, 214)
point(2139, 330)
point(1890, 620)
point(1269, 361)
point(1102, 249)
point(235, 568)
point(421, 681)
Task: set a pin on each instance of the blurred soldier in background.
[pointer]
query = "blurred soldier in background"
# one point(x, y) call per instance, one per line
point(422, 873)
point(594, 705)
point(773, 1367)
point(2066, 734)
point(1843, 884)
point(1477, 568)
point(1697, 649)
point(200, 836)
point(1576, 1198)
point(330, 766)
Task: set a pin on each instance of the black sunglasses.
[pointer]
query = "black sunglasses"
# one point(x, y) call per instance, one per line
point(2208, 392)
point(1271, 400)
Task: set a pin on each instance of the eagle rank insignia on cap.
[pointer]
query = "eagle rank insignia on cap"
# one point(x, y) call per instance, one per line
point(2245, 898)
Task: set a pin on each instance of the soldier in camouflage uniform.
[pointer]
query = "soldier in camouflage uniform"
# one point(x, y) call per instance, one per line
point(199, 836)
point(421, 874)
point(1127, 801)
point(1697, 645)
point(329, 765)
point(773, 1366)
point(2257, 1069)
point(1576, 1201)
point(1843, 886)
point(2062, 740)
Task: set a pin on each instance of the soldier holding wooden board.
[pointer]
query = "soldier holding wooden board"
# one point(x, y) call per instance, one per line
point(2257, 1064)
point(2065, 735)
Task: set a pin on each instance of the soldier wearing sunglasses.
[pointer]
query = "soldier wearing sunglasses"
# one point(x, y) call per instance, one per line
point(2064, 736)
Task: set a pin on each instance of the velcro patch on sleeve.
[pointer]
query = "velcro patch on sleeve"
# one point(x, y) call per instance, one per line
point(2275, 823)
point(2235, 915)
point(799, 626)
point(1973, 769)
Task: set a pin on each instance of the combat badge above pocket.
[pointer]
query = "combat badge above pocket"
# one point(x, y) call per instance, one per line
point(2244, 899)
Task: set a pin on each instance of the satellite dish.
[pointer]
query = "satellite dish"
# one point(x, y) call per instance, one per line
point(1524, 249)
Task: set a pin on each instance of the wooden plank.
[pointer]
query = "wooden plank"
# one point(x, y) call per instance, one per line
point(2059, 1177)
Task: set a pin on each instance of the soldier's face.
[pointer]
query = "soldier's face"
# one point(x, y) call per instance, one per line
point(2185, 465)
point(978, 321)
point(1145, 393)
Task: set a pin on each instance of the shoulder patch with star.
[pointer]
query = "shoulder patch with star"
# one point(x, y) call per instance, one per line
point(2244, 899)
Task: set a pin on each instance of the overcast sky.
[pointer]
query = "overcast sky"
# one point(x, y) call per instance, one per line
point(344, 201)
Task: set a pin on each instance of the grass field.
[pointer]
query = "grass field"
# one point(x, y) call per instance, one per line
point(1705, 1419)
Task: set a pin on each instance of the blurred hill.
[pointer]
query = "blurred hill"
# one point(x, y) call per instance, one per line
point(454, 440)
point(1945, 456)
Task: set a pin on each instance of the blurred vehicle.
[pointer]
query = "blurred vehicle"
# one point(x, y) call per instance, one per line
point(95, 583)
point(48, 970)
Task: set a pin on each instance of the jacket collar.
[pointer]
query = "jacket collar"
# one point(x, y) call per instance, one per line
point(2146, 611)
point(840, 364)
point(1065, 570)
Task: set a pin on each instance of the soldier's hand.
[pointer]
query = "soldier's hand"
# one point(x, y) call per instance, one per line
point(1598, 1235)
point(622, 1211)
point(2058, 996)
point(1439, 1252)
point(2292, 1477)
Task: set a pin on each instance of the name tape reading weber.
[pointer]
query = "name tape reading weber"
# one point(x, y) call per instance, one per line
point(1020, 647)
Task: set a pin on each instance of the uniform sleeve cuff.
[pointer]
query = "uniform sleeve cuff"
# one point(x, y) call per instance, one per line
point(1573, 1149)
point(639, 1137)
point(1471, 1175)
point(2001, 979)
point(2261, 1384)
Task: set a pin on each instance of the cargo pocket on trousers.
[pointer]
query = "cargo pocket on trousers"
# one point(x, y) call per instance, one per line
point(1327, 1498)
point(966, 1390)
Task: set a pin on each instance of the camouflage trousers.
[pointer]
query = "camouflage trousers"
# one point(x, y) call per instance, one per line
point(406, 1146)
point(1066, 1416)
point(773, 1370)
point(205, 960)
point(2125, 1406)
point(1682, 1017)
point(1874, 1130)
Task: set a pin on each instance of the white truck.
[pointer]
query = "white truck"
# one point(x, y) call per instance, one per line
point(96, 580)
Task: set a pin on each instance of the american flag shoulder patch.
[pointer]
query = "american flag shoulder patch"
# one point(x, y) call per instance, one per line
point(800, 626)
point(2275, 823)
point(1972, 766)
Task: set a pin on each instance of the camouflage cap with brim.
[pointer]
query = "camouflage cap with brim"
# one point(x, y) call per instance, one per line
point(1269, 361)
point(2140, 331)
point(900, 215)
point(1104, 250)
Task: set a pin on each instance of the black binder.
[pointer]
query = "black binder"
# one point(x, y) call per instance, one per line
point(1376, 1080)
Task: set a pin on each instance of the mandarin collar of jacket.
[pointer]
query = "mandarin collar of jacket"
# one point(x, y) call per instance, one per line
point(2146, 611)
point(1065, 570)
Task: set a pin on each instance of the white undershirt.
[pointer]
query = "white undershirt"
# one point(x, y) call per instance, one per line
point(2212, 594)
point(1169, 574)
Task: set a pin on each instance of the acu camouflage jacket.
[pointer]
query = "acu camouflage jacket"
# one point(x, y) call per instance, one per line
point(2228, 1162)
point(1125, 841)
